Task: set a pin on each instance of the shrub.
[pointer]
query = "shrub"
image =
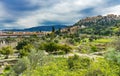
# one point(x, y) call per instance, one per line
point(51, 47)
point(21, 66)
point(7, 51)
point(30, 63)
point(77, 63)
point(101, 67)
point(25, 50)
point(113, 56)
point(56, 41)
point(116, 44)
point(54, 48)
point(66, 48)
point(22, 44)
point(94, 49)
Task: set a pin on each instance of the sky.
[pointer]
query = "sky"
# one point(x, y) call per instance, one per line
point(19, 14)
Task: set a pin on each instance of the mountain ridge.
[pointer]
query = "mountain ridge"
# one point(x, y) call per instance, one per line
point(39, 28)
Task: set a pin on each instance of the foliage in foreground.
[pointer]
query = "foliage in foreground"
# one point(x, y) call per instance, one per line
point(37, 64)
point(30, 62)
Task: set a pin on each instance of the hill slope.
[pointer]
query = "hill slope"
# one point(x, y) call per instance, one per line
point(100, 25)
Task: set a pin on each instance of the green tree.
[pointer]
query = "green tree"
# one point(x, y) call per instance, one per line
point(26, 50)
point(66, 48)
point(22, 44)
point(54, 48)
point(51, 47)
point(53, 29)
point(7, 51)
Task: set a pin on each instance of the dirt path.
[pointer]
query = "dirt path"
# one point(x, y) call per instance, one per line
point(91, 56)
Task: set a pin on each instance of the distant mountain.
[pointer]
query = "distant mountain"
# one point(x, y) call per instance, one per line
point(39, 28)
point(16, 30)
point(45, 28)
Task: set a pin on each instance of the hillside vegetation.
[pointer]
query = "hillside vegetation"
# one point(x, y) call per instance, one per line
point(91, 47)
point(98, 25)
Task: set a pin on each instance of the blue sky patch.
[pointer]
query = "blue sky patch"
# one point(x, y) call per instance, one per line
point(31, 13)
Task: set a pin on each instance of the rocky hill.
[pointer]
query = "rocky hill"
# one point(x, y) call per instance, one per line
point(110, 19)
point(100, 25)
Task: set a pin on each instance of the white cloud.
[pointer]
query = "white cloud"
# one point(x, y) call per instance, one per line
point(63, 11)
point(3, 12)
point(111, 10)
point(43, 3)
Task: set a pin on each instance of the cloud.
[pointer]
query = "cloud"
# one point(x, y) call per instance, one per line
point(3, 12)
point(65, 12)
point(111, 10)
point(30, 13)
